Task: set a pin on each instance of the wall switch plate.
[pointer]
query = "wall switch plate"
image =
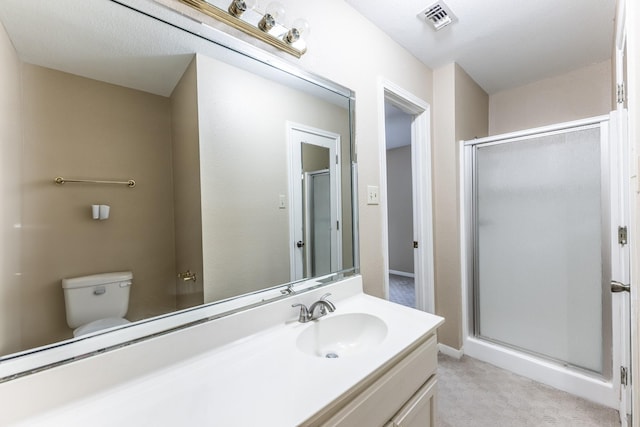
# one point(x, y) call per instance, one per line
point(373, 195)
point(282, 202)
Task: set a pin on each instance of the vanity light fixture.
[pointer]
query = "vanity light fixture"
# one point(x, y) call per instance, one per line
point(268, 27)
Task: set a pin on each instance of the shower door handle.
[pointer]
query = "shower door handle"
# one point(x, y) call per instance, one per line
point(619, 287)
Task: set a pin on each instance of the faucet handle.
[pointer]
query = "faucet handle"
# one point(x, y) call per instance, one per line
point(303, 317)
point(330, 305)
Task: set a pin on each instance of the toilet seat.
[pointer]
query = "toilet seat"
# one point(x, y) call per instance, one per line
point(99, 324)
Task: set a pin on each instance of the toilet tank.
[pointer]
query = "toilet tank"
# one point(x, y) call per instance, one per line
point(98, 296)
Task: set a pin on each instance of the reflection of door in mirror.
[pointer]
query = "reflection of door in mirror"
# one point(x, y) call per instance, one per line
point(316, 244)
point(317, 221)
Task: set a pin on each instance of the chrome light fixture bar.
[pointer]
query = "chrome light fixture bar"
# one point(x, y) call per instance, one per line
point(241, 15)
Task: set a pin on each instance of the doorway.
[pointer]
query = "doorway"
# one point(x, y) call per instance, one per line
point(400, 205)
point(405, 197)
point(314, 190)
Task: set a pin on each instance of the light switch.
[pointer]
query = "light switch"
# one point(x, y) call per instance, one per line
point(373, 195)
point(282, 202)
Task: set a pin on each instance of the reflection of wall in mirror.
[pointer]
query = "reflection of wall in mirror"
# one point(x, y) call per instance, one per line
point(77, 127)
point(10, 207)
point(314, 158)
point(82, 128)
point(186, 187)
point(240, 203)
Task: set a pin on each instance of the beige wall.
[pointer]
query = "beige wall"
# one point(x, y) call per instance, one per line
point(375, 55)
point(462, 113)
point(400, 207)
point(186, 187)
point(243, 150)
point(10, 206)
point(81, 128)
point(360, 70)
point(582, 93)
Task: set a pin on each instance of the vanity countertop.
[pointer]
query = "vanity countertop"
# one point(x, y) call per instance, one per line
point(262, 379)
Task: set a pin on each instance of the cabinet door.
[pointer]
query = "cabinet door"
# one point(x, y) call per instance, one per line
point(379, 402)
point(420, 410)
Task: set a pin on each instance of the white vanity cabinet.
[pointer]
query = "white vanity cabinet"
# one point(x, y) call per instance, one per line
point(401, 393)
point(420, 411)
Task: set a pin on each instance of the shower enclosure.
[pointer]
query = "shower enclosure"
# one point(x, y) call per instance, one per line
point(539, 210)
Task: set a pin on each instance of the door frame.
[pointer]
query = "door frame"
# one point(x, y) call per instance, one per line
point(297, 260)
point(422, 189)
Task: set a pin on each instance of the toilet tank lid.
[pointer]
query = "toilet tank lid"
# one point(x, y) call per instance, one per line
point(97, 279)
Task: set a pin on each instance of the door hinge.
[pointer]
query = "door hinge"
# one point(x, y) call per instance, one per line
point(415, 245)
point(338, 225)
point(620, 94)
point(624, 376)
point(622, 235)
point(337, 162)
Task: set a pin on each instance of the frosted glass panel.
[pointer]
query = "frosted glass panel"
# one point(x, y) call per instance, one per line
point(538, 253)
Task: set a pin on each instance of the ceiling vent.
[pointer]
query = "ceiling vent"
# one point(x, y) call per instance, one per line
point(438, 15)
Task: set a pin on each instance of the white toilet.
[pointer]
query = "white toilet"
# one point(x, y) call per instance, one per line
point(97, 302)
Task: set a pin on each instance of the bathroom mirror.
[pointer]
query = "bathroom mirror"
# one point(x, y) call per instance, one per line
point(242, 165)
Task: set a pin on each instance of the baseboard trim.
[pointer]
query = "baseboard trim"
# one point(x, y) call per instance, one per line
point(450, 351)
point(402, 273)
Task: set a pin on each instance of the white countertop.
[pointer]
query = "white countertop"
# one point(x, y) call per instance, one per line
point(258, 380)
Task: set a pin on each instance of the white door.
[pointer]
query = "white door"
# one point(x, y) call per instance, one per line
point(310, 150)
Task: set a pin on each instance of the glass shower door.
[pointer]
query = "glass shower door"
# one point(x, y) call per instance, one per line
point(541, 247)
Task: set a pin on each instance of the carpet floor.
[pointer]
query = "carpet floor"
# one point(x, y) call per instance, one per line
point(472, 393)
point(402, 290)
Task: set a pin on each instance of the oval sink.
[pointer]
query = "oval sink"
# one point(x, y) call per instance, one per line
point(342, 335)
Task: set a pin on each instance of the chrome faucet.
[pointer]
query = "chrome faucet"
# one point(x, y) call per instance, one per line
point(308, 314)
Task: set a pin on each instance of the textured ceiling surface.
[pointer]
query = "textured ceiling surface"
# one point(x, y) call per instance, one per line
point(502, 43)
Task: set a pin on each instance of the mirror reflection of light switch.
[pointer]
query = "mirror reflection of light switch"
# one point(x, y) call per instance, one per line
point(282, 203)
point(373, 197)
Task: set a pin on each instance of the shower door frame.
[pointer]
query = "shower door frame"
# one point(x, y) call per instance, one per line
point(573, 380)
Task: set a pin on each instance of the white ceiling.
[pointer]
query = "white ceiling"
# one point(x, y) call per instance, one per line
point(502, 44)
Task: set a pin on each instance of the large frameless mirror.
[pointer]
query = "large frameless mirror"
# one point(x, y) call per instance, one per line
point(242, 165)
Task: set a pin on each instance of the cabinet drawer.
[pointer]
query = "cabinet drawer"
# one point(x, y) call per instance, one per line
point(378, 403)
point(420, 411)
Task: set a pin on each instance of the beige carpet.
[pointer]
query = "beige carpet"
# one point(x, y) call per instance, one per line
point(476, 394)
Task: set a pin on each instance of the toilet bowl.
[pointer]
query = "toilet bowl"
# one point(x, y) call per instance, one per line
point(100, 324)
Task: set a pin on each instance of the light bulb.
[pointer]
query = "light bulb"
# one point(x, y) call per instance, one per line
point(273, 14)
point(299, 29)
point(238, 7)
point(276, 10)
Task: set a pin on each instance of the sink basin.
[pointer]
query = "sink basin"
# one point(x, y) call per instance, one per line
point(342, 335)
